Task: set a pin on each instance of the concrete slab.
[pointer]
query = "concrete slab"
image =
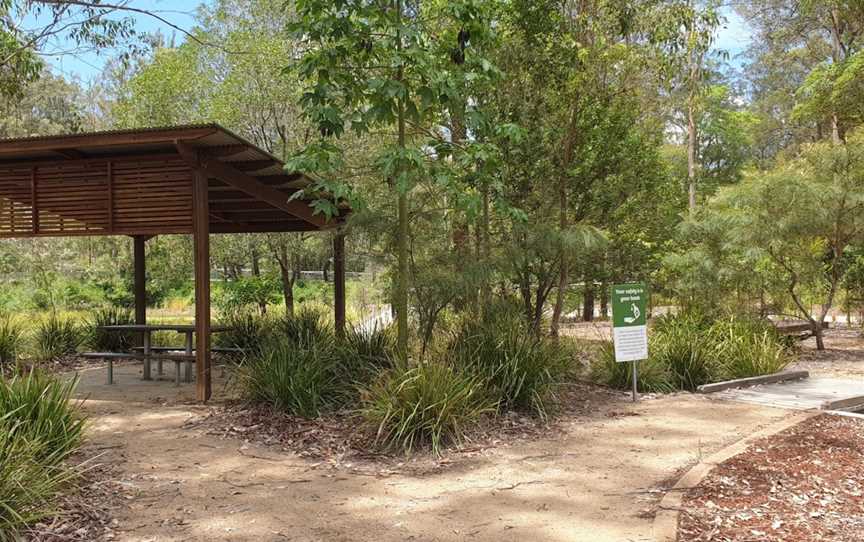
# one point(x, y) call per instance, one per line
point(811, 393)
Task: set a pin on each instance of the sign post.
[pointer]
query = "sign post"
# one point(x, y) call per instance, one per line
point(629, 325)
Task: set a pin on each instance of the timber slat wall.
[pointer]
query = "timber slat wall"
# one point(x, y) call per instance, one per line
point(120, 196)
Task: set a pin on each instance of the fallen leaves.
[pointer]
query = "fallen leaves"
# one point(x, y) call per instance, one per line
point(804, 484)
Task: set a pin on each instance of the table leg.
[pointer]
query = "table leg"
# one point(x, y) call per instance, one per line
point(189, 351)
point(147, 355)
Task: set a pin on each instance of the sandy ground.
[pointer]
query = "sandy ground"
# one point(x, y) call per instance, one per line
point(596, 480)
point(843, 356)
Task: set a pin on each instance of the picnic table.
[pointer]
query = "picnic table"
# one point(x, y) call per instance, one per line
point(147, 331)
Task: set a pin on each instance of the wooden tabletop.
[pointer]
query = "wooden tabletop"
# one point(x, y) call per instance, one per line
point(179, 328)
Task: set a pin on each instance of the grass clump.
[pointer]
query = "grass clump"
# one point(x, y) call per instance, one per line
point(306, 327)
point(57, 337)
point(110, 341)
point(689, 350)
point(11, 339)
point(246, 330)
point(301, 381)
point(652, 377)
point(39, 429)
point(685, 345)
point(300, 367)
point(518, 369)
point(749, 347)
point(432, 404)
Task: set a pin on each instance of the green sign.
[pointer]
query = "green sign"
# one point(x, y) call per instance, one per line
point(629, 329)
point(629, 305)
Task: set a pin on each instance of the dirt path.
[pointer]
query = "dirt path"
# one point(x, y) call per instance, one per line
point(593, 482)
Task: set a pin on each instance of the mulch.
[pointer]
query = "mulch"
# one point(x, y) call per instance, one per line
point(804, 484)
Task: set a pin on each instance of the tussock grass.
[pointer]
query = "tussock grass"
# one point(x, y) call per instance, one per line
point(57, 336)
point(39, 429)
point(105, 341)
point(432, 404)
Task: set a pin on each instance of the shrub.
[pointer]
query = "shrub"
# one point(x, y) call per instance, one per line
point(110, 341)
point(246, 330)
point(432, 404)
point(57, 337)
point(749, 347)
point(39, 430)
point(302, 381)
point(28, 485)
point(366, 353)
point(11, 339)
point(652, 376)
point(41, 409)
point(518, 369)
point(683, 343)
point(306, 327)
point(689, 350)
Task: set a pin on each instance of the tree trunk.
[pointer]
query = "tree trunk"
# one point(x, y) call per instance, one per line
point(588, 302)
point(400, 301)
point(604, 301)
point(256, 266)
point(326, 270)
point(691, 153)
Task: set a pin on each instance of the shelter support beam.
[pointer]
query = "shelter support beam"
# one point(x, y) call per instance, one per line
point(140, 265)
point(339, 282)
point(201, 241)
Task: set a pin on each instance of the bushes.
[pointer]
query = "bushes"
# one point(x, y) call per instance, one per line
point(518, 369)
point(653, 377)
point(749, 347)
point(104, 341)
point(685, 345)
point(39, 430)
point(689, 350)
point(246, 330)
point(487, 367)
point(303, 369)
point(302, 381)
point(11, 339)
point(432, 403)
point(57, 337)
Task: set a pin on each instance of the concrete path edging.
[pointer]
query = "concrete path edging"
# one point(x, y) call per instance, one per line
point(783, 376)
point(665, 527)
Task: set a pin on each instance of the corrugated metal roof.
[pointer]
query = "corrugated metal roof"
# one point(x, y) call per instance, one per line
point(119, 131)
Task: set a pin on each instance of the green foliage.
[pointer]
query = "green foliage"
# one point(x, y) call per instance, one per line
point(368, 352)
point(691, 349)
point(304, 381)
point(39, 430)
point(41, 409)
point(57, 336)
point(749, 347)
point(306, 327)
point(110, 341)
point(684, 344)
point(247, 292)
point(518, 369)
point(11, 339)
point(430, 404)
point(652, 377)
point(247, 330)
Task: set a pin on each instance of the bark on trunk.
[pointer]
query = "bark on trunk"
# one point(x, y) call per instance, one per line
point(588, 304)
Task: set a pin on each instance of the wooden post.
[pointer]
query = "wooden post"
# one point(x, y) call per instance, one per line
point(339, 282)
point(140, 265)
point(201, 241)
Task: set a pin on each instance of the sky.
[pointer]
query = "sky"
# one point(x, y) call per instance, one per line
point(733, 37)
point(87, 65)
